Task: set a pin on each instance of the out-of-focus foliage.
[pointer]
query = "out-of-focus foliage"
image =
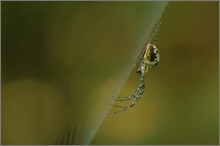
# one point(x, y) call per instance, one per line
point(63, 61)
point(181, 102)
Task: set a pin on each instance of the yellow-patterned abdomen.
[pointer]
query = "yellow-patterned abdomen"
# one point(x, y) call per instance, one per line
point(151, 56)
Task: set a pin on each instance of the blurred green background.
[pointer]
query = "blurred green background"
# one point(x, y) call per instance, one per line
point(181, 102)
point(61, 61)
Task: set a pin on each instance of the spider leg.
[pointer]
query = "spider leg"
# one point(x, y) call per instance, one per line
point(136, 99)
point(126, 107)
point(118, 111)
point(136, 92)
point(125, 98)
point(136, 96)
point(114, 105)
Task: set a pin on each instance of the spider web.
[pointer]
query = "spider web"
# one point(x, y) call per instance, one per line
point(96, 106)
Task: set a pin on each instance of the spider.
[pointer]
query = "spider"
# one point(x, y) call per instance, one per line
point(151, 59)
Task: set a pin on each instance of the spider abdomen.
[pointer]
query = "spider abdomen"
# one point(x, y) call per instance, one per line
point(151, 55)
